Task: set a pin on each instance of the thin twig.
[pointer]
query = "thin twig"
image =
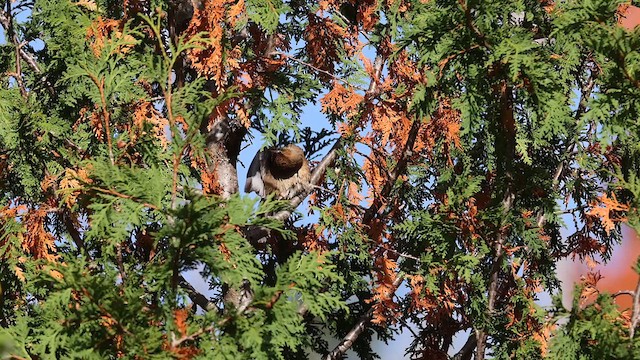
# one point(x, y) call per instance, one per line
point(624, 292)
point(177, 342)
point(124, 196)
point(317, 69)
point(399, 254)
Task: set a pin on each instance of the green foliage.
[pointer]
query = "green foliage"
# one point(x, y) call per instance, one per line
point(594, 330)
point(110, 285)
point(471, 133)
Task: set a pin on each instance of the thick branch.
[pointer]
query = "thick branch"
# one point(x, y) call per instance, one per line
point(195, 295)
point(505, 153)
point(467, 350)
point(359, 327)
point(74, 233)
point(636, 312)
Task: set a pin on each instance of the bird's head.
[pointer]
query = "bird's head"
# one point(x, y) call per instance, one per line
point(289, 158)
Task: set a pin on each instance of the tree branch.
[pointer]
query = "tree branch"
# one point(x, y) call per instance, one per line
point(467, 350)
point(6, 18)
point(5, 21)
point(636, 312)
point(124, 196)
point(623, 292)
point(74, 233)
point(317, 69)
point(469, 22)
point(360, 326)
point(195, 295)
point(505, 154)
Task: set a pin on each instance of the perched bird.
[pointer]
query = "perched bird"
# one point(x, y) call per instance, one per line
point(284, 172)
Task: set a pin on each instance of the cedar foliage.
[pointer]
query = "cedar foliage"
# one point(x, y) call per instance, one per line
point(457, 133)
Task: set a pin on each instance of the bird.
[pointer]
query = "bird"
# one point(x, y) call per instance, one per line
point(283, 172)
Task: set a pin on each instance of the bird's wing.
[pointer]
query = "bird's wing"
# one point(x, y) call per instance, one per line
point(254, 176)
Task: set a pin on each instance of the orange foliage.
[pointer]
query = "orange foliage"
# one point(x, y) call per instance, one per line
point(145, 113)
point(467, 221)
point(353, 193)
point(103, 32)
point(38, 242)
point(376, 230)
point(390, 122)
point(548, 5)
point(213, 19)
point(181, 351)
point(180, 318)
point(223, 111)
point(70, 184)
point(419, 301)
point(208, 176)
point(444, 127)
point(95, 119)
point(341, 101)
point(375, 172)
point(589, 290)
point(385, 307)
point(367, 13)
point(609, 211)
point(312, 240)
point(323, 37)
